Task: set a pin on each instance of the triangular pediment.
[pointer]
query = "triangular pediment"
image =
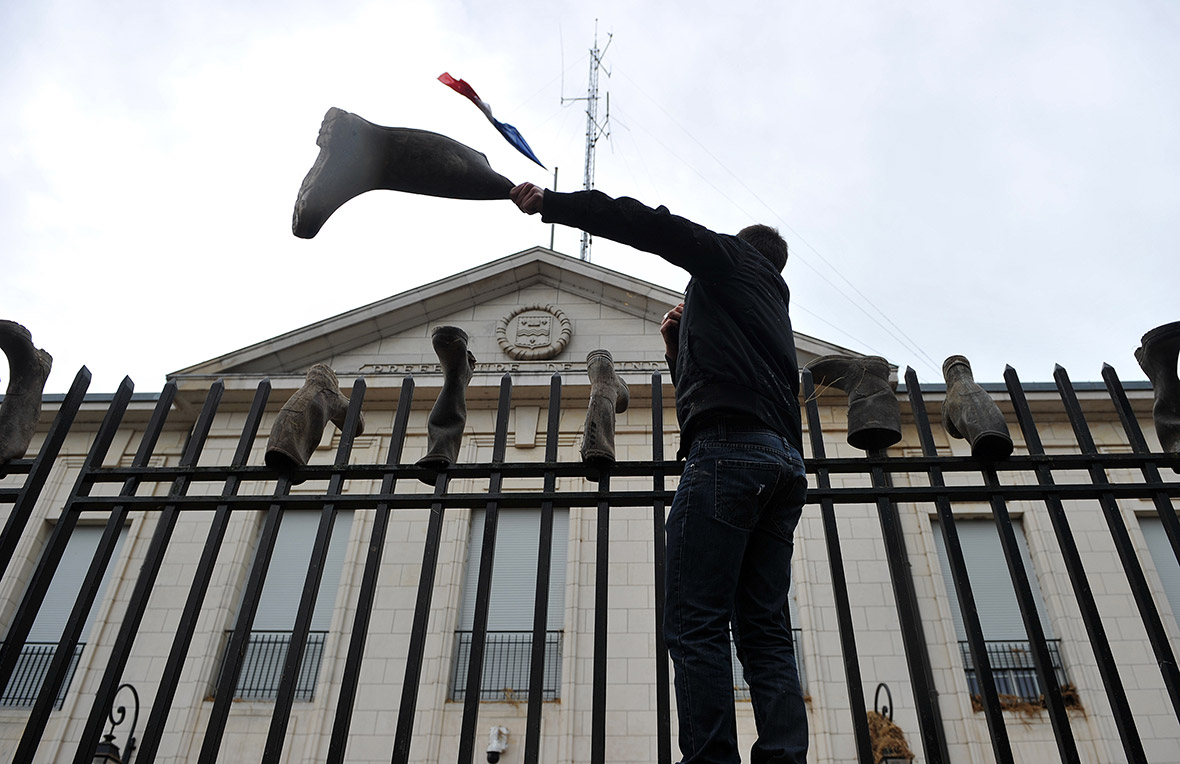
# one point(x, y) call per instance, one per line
point(533, 309)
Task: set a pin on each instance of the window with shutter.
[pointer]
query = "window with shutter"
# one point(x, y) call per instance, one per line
point(50, 623)
point(274, 621)
point(508, 651)
point(1008, 647)
point(1164, 559)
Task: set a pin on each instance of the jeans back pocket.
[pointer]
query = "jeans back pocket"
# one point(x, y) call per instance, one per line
point(742, 487)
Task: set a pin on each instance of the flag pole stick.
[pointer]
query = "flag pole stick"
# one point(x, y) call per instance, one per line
point(552, 226)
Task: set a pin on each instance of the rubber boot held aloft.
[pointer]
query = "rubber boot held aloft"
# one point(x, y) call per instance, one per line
point(357, 156)
point(299, 426)
point(1157, 355)
point(448, 418)
point(28, 368)
point(874, 418)
point(969, 412)
point(609, 395)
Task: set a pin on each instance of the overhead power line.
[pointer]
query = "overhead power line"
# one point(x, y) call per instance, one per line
point(897, 333)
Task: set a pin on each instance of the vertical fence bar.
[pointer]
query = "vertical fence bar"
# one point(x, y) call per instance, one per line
point(293, 661)
point(856, 703)
point(1032, 620)
point(368, 592)
point(121, 652)
point(409, 701)
point(30, 491)
point(1001, 745)
point(483, 589)
point(913, 636)
point(166, 691)
point(59, 667)
point(1160, 643)
point(1107, 668)
point(59, 540)
point(601, 582)
point(26, 612)
point(227, 682)
point(1163, 505)
point(663, 686)
point(532, 743)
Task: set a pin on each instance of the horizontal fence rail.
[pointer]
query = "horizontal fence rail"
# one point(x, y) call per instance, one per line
point(284, 667)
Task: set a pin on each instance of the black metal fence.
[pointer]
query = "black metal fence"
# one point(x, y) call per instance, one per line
point(1031, 477)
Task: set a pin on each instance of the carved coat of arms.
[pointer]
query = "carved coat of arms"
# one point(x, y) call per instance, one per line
point(533, 330)
point(534, 333)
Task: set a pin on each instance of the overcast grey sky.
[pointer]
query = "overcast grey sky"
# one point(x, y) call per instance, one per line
point(998, 179)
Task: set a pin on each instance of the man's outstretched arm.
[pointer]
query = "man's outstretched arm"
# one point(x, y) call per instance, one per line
point(680, 241)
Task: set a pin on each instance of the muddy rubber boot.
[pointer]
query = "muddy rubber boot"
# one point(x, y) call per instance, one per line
point(874, 418)
point(609, 395)
point(299, 426)
point(357, 156)
point(448, 418)
point(970, 413)
point(1157, 355)
point(28, 368)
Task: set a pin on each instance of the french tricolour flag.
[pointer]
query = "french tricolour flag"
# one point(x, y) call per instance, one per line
point(510, 133)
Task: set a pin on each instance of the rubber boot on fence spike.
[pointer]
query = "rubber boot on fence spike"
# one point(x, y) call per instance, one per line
point(609, 395)
point(358, 156)
point(448, 418)
point(874, 417)
point(28, 368)
point(970, 413)
point(1157, 355)
point(299, 426)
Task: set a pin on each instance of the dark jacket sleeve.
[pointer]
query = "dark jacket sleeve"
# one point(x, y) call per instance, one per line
point(671, 368)
point(701, 252)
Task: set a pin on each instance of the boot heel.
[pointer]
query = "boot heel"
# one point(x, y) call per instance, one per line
point(28, 368)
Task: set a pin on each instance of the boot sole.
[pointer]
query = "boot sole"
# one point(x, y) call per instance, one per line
point(314, 205)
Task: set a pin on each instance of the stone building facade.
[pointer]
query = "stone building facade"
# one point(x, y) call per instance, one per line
point(531, 315)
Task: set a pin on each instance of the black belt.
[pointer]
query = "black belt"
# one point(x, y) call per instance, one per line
point(732, 422)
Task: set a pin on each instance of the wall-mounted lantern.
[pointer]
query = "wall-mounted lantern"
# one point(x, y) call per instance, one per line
point(889, 743)
point(107, 752)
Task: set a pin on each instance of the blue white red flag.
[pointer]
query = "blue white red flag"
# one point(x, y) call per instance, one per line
point(510, 133)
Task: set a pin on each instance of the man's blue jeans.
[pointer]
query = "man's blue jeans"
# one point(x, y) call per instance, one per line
point(729, 537)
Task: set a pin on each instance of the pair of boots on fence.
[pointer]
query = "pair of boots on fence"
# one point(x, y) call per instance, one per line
point(28, 368)
point(874, 417)
point(1157, 356)
point(299, 426)
point(609, 395)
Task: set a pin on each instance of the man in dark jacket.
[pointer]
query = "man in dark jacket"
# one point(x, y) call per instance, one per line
point(731, 527)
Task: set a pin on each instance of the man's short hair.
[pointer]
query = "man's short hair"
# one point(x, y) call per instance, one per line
point(768, 242)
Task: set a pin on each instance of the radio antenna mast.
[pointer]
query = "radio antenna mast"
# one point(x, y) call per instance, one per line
point(594, 129)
